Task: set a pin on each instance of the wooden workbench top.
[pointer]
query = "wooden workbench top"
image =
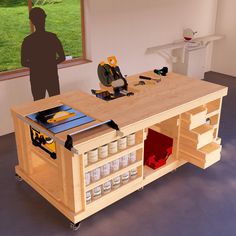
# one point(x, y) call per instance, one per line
point(174, 92)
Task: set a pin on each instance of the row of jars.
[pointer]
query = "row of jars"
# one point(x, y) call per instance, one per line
point(110, 167)
point(109, 149)
point(111, 184)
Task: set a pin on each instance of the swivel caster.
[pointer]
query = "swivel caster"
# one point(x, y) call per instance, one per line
point(173, 171)
point(75, 227)
point(18, 178)
point(141, 189)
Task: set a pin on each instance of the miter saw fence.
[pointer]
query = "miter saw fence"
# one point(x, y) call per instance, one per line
point(110, 75)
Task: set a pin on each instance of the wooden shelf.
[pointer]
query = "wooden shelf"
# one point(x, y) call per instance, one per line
point(111, 158)
point(201, 41)
point(150, 175)
point(213, 113)
point(113, 175)
point(115, 191)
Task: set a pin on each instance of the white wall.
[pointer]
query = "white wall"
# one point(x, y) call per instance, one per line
point(224, 52)
point(125, 29)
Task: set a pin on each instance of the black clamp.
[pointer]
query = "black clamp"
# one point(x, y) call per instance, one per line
point(69, 140)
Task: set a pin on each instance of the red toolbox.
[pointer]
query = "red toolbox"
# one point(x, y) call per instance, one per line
point(157, 149)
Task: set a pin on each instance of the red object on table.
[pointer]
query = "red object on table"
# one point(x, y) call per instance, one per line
point(157, 149)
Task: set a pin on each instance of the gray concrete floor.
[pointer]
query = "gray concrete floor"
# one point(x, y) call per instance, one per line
point(188, 202)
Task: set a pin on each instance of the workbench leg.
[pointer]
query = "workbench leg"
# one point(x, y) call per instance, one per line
point(70, 176)
point(22, 136)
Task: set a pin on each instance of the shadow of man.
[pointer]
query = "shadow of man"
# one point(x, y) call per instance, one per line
point(41, 52)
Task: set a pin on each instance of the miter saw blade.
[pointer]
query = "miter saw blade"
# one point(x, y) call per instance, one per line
point(105, 75)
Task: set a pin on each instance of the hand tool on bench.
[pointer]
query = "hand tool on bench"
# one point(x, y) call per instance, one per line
point(149, 78)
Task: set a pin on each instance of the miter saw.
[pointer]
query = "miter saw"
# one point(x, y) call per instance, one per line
point(110, 75)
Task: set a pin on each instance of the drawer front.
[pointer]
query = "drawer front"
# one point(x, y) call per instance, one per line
point(196, 143)
point(205, 152)
point(200, 163)
point(194, 118)
point(204, 157)
point(203, 132)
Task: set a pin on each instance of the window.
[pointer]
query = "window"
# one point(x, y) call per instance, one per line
point(64, 17)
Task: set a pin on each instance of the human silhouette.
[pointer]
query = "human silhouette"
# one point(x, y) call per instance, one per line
point(41, 52)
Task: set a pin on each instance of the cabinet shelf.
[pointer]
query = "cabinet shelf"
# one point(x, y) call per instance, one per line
point(113, 157)
point(150, 175)
point(113, 175)
point(213, 113)
point(115, 194)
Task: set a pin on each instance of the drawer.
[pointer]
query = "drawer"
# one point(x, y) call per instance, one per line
point(197, 137)
point(194, 118)
point(204, 157)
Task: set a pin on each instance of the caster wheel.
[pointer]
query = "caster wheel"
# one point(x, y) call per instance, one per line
point(18, 178)
point(141, 189)
point(75, 227)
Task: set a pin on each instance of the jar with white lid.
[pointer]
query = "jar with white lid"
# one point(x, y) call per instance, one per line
point(132, 157)
point(86, 159)
point(133, 173)
point(103, 151)
point(97, 192)
point(124, 161)
point(106, 187)
point(88, 197)
point(115, 165)
point(105, 170)
point(116, 182)
point(113, 147)
point(93, 156)
point(131, 139)
point(87, 178)
point(96, 174)
point(122, 143)
point(125, 178)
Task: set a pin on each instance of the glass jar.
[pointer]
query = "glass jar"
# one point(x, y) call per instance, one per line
point(113, 147)
point(124, 161)
point(96, 174)
point(106, 187)
point(131, 139)
point(87, 178)
point(88, 197)
point(116, 182)
point(132, 157)
point(97, 192)
point(125, 178)
point(133, 173)
point(93, 156)
point(115, 165)
point(122, 143)
point(103, 151)
point(106, 170)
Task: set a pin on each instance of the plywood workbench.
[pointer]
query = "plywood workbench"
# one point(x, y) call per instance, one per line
point(184, 109)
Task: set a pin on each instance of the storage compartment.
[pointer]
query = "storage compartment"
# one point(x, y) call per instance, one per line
point(194, 118)
point(204, 157)
point(197, 137)
point(213, 107)
point(45, 174)
point(157, 148)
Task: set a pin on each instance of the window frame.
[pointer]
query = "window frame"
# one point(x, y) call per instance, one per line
point(21, 72)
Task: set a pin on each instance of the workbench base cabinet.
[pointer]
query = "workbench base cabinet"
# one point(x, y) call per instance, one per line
point(108, 167)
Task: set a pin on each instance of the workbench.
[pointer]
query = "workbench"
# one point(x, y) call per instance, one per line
point(187, 110)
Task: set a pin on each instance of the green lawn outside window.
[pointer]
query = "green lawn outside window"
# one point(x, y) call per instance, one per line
point(63, 18)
